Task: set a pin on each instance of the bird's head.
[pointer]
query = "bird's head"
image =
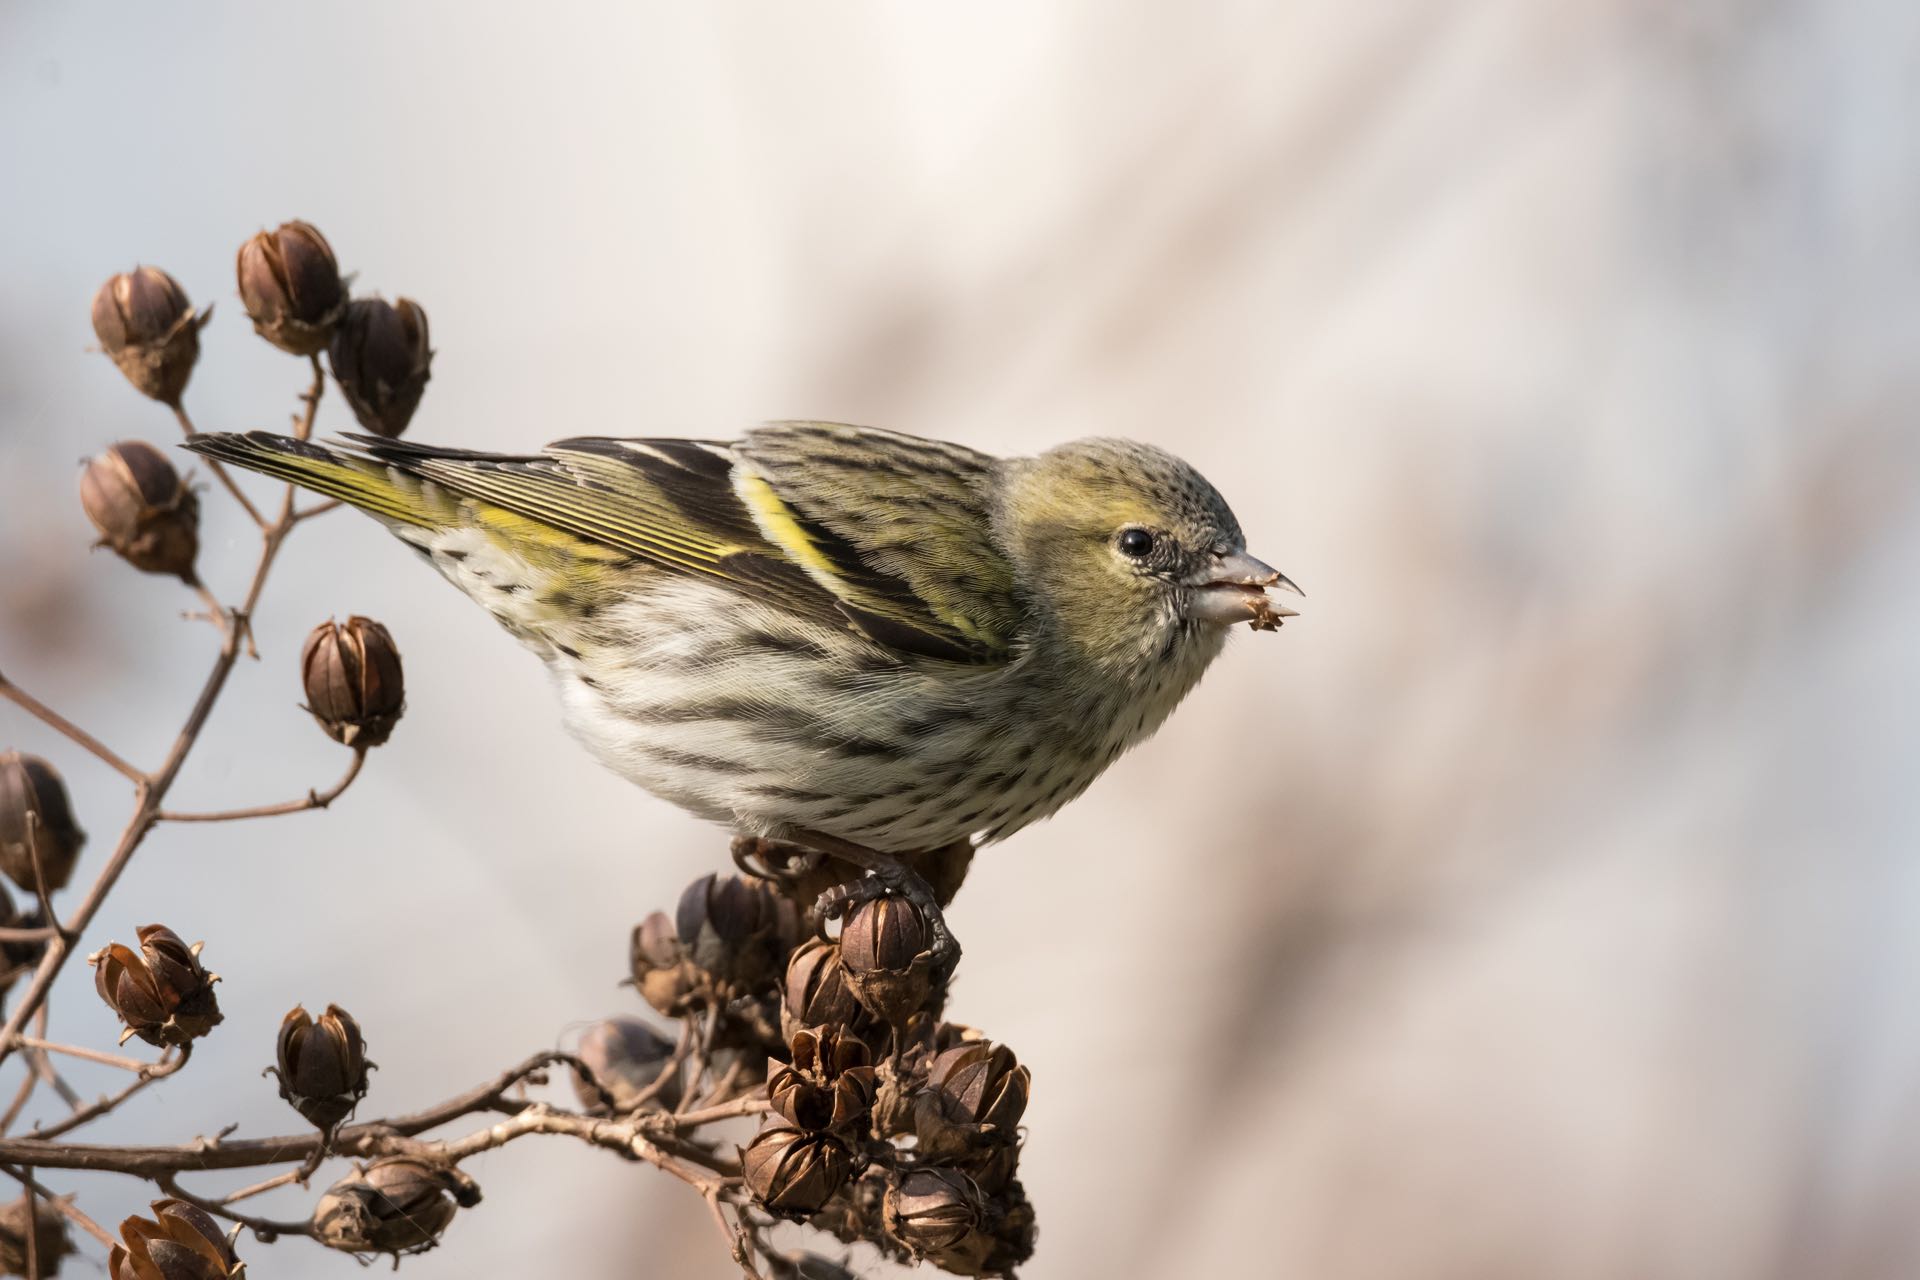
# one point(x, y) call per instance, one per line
point(1136, 559)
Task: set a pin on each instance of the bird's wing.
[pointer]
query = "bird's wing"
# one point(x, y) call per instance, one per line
point(884, 533)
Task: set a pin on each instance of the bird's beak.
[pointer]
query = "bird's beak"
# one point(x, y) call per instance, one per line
point(1237, 588)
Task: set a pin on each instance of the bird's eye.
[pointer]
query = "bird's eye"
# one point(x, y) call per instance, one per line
point(1135, 543)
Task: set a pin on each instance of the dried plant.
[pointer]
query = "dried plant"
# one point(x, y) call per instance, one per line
point(881, 1124)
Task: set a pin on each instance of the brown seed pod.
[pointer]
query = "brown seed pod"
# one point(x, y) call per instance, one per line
point(737, 931)
point(969, 1110)
point(932, 1211)
point(355, 685)
point(290, 286)
point(381, 359)
point(161, 992)
point(51, 1242)
point(144, 511)
point(35, 815)
point(816, 992)
point(396, 1205)
point(661, 972)
point(144, 321)
point(626, 1057)
point(980, 1083)
point(321, 1064)
point(885, 949)
point(793, 1173)
point(180, 1242)
point(829, 1085)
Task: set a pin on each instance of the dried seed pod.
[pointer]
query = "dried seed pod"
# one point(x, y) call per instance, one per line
point(144, 321)
point(932, 1211)
point(661, 972)
point(381, 359)
point(355, 685)
point(34, 813)
point(321, 1064)
point(143, 509)
point(626, 1057)
point(816, 993)
point(738, 931)
point(828, 1087)
point(885, 949)
point(161, 992)
point(793, 1173)
point(979, 1084)
point(51, 1241)
point(396, 1205)
point(180, 1242)
point(290, 285)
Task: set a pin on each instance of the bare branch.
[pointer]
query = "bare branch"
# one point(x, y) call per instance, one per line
point(751, 1105)
point(54, 720)
point(63, 1203)
point(101, 1106)
point(89, 1055)
point(303, 427)
point(267, 1228)
point(29, 1081)
point(318, 509)
point(153, 787)
point(312, 800)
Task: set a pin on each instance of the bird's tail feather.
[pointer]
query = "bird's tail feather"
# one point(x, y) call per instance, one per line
point(373, 486)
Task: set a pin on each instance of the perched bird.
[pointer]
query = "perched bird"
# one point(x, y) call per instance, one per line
point(858, 640)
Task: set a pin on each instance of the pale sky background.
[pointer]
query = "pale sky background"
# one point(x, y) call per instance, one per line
point(1541, 904)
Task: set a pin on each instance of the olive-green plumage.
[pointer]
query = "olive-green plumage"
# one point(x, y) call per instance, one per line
point(894, 641)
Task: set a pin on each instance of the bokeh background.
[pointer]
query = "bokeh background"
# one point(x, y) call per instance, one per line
point(1541, 904)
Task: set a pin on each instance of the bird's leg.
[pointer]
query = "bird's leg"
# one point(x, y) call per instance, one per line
point(786, 865)
point(944, 869)
point(886, 875)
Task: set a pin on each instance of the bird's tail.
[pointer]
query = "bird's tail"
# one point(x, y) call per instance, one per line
point(374, 486)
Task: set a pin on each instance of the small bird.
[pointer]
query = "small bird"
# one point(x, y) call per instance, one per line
point(856, 640)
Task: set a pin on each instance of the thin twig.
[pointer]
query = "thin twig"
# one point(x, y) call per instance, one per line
point(28, 1083)
point(267, 1228)
point(102, 1105)
point(216, 612)
point(312, 800)
point(39, 933)
point(41, 1065)
point(375, 1138)
point(62, 1203)
point(702, 1046)
point(751, 1105)
point(40, 889)
point(318, 509)
point(261, 1188)
point(33, 1235)
point(91, 1055)
point(303, 429)
point(54, 720)
point(739, 1240)
point(221, 474)
point(152, 789)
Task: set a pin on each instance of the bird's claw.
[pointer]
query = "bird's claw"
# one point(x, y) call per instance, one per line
point(896, 881)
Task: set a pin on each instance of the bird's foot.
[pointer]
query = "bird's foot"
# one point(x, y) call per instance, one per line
point(886, 876)
point(787, 865)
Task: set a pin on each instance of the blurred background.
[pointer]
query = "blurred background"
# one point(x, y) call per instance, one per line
point(1540, 904)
